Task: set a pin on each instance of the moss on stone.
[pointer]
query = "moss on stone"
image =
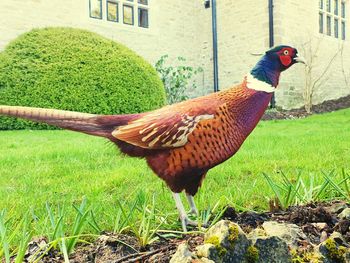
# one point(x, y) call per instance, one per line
point(304, 257)
point(334, 252)
point(214, 240)
point(233, 234)
point(252, 254)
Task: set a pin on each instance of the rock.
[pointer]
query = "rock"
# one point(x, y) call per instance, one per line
point(202, 260)
point(338, 238)
point(323, 236)
point(332, 252)
point(343, 226)
point(36, 245)
point(337, 207)
point(290, 233)
point(272, 249)
point(182, 255)
point(256, 233)
point(320, 226)
point(345, 214)
point(229, 240)
point(207, 251)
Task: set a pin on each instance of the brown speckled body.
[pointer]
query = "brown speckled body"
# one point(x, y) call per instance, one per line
point(237, 111)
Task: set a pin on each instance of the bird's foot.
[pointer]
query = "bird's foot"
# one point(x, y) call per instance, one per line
point(193, 211)
point(185, 221)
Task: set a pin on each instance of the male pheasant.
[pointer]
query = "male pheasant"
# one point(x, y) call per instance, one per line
point(181, 142)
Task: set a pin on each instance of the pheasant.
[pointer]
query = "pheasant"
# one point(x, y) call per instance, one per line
point(181, 142)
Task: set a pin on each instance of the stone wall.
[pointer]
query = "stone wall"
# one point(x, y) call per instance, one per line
point(297, 24)
point(183, 28)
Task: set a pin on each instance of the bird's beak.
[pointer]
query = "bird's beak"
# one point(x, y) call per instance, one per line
point(298, 59)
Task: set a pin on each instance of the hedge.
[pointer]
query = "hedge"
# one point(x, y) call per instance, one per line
point(77, 70)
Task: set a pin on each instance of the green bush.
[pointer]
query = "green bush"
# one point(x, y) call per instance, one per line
point(77, 70)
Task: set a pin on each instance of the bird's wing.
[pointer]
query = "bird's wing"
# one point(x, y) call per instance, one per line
point(168, 127)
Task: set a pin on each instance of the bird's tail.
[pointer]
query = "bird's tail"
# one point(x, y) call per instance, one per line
point(99, 125)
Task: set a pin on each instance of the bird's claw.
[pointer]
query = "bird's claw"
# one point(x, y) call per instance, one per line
point(185, 221)
point(193, 211)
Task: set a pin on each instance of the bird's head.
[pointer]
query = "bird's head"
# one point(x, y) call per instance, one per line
point(283, 57)
point(276, 60)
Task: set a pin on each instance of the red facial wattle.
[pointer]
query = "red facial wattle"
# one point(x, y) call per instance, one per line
point(286, 60)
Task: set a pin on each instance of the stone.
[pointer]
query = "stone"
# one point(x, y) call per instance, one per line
point(337, 207)
point(272, 249)
point(332, 252)
point(290, 233)
point(207, 251)
point(182, 255)
point(338, 238)
point(256, 233)
point(345, 214)
point(202, 260)
point(229, 240)
point(320, 226)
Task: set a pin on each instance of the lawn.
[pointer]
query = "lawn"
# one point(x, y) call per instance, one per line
point(61, 168)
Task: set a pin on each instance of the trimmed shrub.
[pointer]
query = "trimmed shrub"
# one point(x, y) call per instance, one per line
point(76, 70)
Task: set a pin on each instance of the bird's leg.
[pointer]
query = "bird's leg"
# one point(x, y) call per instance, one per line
point(193, 208)
point(182, 213)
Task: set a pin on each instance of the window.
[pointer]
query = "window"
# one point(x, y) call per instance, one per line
point(95, 8)
point(121, 11)
point(336, 27)
point(143, 17)
point(112, 11)
point(343, 9)
point(321, 23)
point(128, 14)
point(328, 5)
point(329, 31)
point(336, 7)
point(332, 11)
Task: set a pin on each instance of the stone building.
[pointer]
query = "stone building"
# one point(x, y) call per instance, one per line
point(152, 28)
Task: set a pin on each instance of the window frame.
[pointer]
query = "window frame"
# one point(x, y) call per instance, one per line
point(107, 10)
point(132, 13)
point(139, 8)
point(336, 27)
point(101, 11)
point(332, 18)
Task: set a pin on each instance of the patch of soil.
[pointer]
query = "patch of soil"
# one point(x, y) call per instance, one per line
point(317, 220)
point(326, 106)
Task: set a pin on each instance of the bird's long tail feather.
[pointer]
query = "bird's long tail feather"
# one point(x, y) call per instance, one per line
point(99, 125)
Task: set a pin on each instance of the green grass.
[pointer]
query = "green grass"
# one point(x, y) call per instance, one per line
point(61, 168)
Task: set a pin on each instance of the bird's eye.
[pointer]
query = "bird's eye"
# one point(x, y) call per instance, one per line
point(286, 52)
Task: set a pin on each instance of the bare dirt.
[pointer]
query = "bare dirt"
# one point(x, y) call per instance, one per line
point(317, 220)
point(327, 106)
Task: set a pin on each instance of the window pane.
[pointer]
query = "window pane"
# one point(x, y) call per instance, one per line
point(321, 4)
point(96, 8)
point(143, 17)
point(112, 11)
point(343, 30)
point(336, 25)
point(128, 15)
point(336, 7)
point(143, 2)
point(343, 9)
point(329, 26)
point(328, 5)
point(320, 23)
